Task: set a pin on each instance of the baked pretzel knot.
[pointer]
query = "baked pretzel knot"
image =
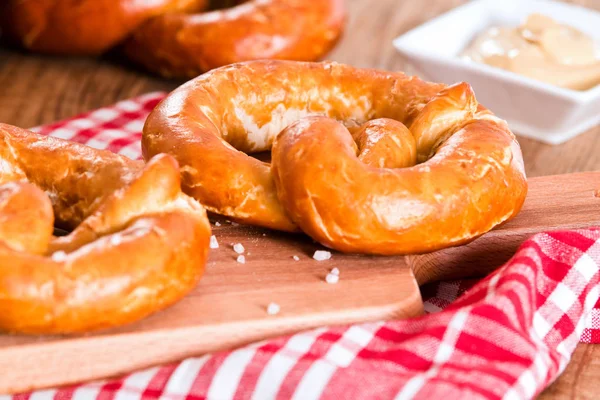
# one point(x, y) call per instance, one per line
point(362, 160)
point(139, 244)
point(177, 38)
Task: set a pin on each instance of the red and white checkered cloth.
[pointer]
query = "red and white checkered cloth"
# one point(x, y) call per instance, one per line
point(507, 336)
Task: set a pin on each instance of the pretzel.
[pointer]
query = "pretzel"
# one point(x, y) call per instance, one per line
point(138, 245)
point(427, 168)
point(177, 38)
point(187, 45)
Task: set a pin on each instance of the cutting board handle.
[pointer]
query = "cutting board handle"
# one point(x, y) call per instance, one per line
point(557, 202)
point(476, 259)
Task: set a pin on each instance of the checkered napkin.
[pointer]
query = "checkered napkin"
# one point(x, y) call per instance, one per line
point(507, 336)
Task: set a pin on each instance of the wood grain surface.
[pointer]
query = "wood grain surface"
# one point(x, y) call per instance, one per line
point(227, 309)
point(229, 306)
point(574, 206)
point(36, 90)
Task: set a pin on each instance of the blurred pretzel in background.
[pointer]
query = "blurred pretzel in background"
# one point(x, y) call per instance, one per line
point(177, 38)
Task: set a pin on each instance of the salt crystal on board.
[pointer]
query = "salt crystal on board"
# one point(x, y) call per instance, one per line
point(322, 255)
point(332, 279)
point(273, 309)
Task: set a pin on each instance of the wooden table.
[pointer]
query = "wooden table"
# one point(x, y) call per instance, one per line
point(36, 90)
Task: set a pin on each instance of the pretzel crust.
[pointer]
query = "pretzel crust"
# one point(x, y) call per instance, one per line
point(139, 244)
point(470, 177)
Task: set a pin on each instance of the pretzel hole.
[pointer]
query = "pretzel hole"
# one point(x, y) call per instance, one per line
point(214, 5)
point(381, 143)
point(58, 232)
point(264, 156)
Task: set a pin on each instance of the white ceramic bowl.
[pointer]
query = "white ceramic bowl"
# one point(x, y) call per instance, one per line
point(532, 108)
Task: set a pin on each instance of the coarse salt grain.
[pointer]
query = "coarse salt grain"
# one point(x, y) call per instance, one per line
point(217, 223)
point(214, 244)
point(296, 258)
point(332, 279)
point(234, 223)
point(264, 234)
point(238, 248)
point(273, 309)
point(335, 271)
point(241, 259)
point(322, 255)
point(59, 256)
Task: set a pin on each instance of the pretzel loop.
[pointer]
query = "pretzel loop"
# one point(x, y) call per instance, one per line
point(345, 168)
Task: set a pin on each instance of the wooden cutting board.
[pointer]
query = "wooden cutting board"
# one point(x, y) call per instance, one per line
point(229, 306)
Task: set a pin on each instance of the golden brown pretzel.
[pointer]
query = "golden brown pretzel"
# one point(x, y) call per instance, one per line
point(470, 179)
point(174, 37)
point(138, 246)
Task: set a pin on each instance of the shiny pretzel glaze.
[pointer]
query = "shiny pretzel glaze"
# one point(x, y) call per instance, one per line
point(138, 245)
point(177, 38)
point(344, 164)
